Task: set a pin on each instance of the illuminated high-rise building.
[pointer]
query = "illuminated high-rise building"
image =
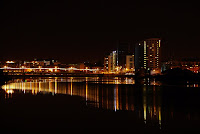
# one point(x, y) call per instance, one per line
point(110, 62)
point(148, 56)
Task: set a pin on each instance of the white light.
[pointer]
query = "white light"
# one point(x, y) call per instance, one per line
point(159, 42)
point(10, 62)
point(10, 91)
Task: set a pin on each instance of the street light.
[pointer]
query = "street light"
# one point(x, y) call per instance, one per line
point(56, 68)
point(40, 68)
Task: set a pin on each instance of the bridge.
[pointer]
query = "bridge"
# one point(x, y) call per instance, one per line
point(56, 71)
point(49, 69)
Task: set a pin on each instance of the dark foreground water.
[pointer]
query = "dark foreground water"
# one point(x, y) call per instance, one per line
point(97, 105)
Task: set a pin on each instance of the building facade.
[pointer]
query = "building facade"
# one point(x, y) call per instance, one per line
point(110, 62)
point(148, 56)
point(130, 63)
point(105, 64)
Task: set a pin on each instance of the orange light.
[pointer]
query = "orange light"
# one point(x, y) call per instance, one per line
point(9, 91)
point(56, 68)
point(40, 69)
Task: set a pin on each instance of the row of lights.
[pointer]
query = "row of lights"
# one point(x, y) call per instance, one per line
point(50, 69)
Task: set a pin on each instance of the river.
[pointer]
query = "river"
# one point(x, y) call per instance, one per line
point(159, 107)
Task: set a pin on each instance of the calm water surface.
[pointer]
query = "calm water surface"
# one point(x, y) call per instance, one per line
point(162, 107)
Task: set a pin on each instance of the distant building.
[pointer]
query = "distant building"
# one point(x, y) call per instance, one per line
point(120, 60)
point(13, 64)
point(110, 62)
point(57, 63)
point(45, 62)
point(130, 62)
point(105, 64)
point(28, 64)
point(10, 64)
point(81, 66)
point(123, 49)
point(148, 56)
point(192, 65)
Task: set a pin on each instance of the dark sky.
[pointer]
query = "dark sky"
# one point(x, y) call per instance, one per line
point(75, 31)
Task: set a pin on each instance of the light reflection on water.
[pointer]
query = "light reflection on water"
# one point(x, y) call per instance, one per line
point(114, 94)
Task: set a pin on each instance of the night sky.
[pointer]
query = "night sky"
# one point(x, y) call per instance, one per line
point(74, 31)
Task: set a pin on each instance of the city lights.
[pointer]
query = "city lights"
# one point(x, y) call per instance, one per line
point(100, 66)
point(10, 62)
point(9, 91)
point(146, 56)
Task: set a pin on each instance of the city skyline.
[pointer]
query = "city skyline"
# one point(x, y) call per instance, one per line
point(120, 66)
point(78, 32)
point(166, 55)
